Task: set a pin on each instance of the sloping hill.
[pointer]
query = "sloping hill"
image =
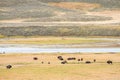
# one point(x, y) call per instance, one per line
point(90, 30)
point(11, 9)
point(40, 18)
point(104, 3)
point(35, 11)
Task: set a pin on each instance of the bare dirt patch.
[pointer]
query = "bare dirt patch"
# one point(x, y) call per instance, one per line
point(75, 5)
point(115, 14)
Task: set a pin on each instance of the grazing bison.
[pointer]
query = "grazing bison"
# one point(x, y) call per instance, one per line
point(42, 62)
point(48, 62)
point(35, 58)
point(60, 58)
point(87, 62)
point(94, 60)
point(8, 66)
point(109, 62)
point(81, 59)
point(78, 59)
point(72, 58)
point(64, 62)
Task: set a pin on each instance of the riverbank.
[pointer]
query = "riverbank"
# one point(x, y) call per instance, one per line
point(25, 68)
point(66, 42)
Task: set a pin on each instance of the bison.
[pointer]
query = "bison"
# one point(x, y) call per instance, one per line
point(81, 59)
point(48, 62)
point(109, 62)
point(60, 58)
point(42, 62)
point(64, 62)
point(94, 60)
point(87, 62)
point(78, 59)
point(8, 66)
point(35, 58)
point(72, 58)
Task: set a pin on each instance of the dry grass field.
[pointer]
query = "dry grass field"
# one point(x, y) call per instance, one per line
point(63, 41)
point(51, 40)
point(25, 68)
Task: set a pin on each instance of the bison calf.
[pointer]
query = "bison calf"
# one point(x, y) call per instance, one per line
point(94, 60)
point(42, 62)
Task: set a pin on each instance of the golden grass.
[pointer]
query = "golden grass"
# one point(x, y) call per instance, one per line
point(75, 5)
point(2, 36)
point(49, 40)
point(28, 58)
point(25, 68)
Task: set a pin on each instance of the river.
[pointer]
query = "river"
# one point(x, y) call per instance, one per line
point(39, 49)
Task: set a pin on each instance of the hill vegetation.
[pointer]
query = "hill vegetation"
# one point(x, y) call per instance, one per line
point(41, 11)
point(61, 31)
point(12, 9)
point(104, 3)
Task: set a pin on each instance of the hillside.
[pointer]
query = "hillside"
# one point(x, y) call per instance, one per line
point(60, 31)
point(26, 9)
point(42, 11)
point(103, 3)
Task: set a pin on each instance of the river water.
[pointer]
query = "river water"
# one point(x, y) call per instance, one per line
point(22, 49)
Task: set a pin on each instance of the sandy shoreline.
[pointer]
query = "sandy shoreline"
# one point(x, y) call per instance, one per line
point(86, 45)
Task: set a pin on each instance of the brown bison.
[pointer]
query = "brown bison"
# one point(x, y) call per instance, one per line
point(48, 62)
point(87, 62)
point(94, 60)
point(60, 58)
point(35, 58)
point(109, 62)
point(42, 62)
point(72, 58)
point(81, 59)
point(64, 62)
point(8, 66)
point(78, 59)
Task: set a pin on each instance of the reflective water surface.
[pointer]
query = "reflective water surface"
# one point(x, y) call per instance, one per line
point(22, 49)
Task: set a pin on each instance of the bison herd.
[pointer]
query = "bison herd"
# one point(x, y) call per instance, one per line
point(65, 61)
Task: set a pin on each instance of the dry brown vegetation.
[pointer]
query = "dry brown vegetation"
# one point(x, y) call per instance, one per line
point(76, 5)
point(49, 40)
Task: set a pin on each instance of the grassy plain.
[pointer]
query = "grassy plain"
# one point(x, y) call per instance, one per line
point(75, 5)
point(25, 68)
point(50, 40)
